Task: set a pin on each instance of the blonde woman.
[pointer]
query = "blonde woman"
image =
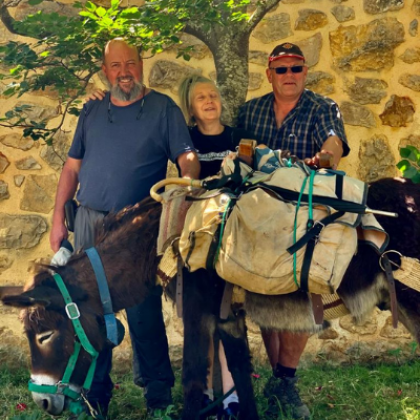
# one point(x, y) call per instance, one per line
point(201, 104)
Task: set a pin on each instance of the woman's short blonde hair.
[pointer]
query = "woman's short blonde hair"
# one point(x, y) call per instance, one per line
point(186, 88)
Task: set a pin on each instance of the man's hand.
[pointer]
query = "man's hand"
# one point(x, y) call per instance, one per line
point(323, 159)
point(96, 95)
point(57, 234)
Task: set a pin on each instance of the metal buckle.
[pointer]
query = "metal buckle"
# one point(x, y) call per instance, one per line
point(391, 262)
point(60, 387)
point(72, 311)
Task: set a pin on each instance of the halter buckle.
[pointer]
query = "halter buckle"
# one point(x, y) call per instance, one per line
point(72, 311)
point(61, 387)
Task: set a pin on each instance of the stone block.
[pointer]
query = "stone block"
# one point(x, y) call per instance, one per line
point(27, 164)
point(320, 82)
point(6, 262)
point(398, 112)
point(366, 47)
point(198, 50)
point(17, 141)
point(18, 179)
point(4, 162)
point(24, 9)
point(411, 81)
point(358, 115)
point(374, 7)
point(21, 231)
point(39, 193)
point(411, 140)
point(56, 154)
point(4, 190)
point(416, 7)
point(258, 57)
point(343, 13)
point(311, 48)
point(376, 159)
point(255, 81)
point(367, 91)
point(38, 112)
point(310, 19)
point(411, 55)
point(273, 28)
point(413, 27)
point(168, 74)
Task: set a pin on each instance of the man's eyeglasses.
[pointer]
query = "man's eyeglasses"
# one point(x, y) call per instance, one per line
point(283, 69)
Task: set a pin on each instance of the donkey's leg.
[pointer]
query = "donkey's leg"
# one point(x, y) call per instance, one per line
point(235, 342)
point(199, 326)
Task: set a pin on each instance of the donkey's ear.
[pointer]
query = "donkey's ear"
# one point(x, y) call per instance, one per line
point(40, 296)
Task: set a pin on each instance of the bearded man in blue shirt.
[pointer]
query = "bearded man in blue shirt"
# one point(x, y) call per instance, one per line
point(120, 149)
point(306, 123)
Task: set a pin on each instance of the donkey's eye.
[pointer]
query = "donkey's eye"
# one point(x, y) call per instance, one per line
point(42, 338)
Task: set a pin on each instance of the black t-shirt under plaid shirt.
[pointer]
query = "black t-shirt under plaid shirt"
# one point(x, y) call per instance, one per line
point(303, 131)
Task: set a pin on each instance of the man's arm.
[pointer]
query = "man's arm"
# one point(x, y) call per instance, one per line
point(189, 165)
point(334, 146)
point(66, 189)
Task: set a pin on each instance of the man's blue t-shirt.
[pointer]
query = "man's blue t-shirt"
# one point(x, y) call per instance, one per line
point(125, 150)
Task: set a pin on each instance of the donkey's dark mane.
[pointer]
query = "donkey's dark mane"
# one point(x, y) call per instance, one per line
point(119, 221)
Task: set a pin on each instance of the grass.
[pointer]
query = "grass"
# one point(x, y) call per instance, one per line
point(355, 391)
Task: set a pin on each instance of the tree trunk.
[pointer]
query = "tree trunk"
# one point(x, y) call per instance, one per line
point(230, 47)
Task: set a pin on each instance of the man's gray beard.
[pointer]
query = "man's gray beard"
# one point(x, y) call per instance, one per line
point(121, 95)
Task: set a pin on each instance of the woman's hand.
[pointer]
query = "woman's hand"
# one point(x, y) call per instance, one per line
point(96, 95)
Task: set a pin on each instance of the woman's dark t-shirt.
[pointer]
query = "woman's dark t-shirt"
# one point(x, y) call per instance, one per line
point(212, 149)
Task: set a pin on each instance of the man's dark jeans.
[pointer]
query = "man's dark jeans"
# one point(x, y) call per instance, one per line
point(151, 364)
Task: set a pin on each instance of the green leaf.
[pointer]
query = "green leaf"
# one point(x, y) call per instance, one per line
point(410, 172)
point(416, 178)
point(34, 2)
point(100, 11)
point(90, 6)
point(89, 15)
point(403, 165)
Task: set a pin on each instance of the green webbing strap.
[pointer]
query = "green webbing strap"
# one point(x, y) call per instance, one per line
point(53, 389)
point(73, 313)
point(295, 229)
point(71, 364)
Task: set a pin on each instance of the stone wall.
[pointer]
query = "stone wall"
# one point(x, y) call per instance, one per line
point(363, 54)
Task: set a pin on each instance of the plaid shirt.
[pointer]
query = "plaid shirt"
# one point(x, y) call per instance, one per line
point(303, 131)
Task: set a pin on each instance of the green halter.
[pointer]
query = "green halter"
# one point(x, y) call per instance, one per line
point(63, 387)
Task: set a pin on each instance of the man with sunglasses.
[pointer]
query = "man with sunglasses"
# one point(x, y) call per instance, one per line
point(296, 119)
point(120, 149)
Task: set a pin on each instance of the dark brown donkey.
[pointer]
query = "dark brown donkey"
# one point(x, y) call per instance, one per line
point(127, 246)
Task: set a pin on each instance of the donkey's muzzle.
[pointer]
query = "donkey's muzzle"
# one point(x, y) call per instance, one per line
point(51, 403)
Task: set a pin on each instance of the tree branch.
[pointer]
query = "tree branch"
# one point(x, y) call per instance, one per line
point(196, 30)
point(7, 19)
point(261, 10)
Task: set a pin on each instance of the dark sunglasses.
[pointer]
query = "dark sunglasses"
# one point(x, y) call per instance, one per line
point(283, 70)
